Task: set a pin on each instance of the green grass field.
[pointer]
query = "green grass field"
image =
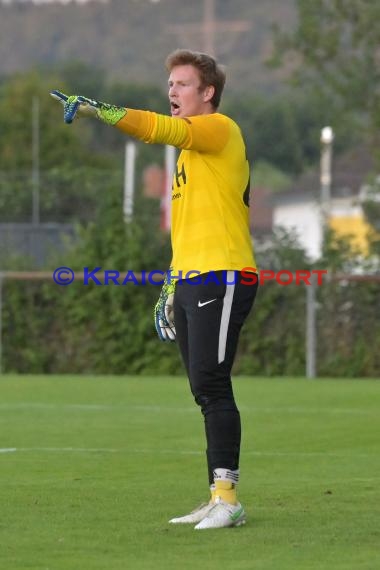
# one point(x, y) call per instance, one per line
point(91, 469)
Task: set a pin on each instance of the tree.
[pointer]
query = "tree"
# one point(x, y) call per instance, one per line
point(77, 162)
point(284, 130)
point(336, 49)
point(66, 162)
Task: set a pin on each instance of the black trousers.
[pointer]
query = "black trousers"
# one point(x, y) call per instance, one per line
point(209, 311)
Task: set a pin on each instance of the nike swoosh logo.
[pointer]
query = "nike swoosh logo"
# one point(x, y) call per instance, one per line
point(205, 303)
point(237, 514)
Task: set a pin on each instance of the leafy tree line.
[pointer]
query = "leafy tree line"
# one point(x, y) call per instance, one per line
point(75, 162)
point(282, 132)
point(333, 50)
point(336, 46)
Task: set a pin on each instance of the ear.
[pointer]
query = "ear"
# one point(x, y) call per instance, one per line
point(208, 93)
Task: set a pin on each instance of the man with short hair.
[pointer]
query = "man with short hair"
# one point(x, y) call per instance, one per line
point(205, 300)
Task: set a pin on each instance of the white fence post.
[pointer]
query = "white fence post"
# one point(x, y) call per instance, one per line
point(129, 180)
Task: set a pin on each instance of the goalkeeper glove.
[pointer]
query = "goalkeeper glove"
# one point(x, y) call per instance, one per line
point(164, 312)
point(77, 104)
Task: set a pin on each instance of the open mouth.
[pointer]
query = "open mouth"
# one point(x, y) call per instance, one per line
point(174, 108)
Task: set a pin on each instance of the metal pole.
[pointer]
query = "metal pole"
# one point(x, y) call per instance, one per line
point(327, 137)
point(36, 160)
point(311, 333)
point(129, 180)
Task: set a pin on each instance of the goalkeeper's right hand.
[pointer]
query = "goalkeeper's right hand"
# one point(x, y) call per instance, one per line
point(74, 105)
point(164, 312)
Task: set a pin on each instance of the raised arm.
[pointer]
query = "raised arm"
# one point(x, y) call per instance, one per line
point(205, 133)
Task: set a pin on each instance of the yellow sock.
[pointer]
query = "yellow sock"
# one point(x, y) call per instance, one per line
point(226, 490)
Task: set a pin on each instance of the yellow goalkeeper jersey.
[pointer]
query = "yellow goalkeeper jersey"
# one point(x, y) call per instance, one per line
point(210, 218)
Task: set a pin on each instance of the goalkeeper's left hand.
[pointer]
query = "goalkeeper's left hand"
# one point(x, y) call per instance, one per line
point(164, 312)
point(74, 105)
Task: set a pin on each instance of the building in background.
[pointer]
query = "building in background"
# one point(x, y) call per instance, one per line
point(298, 208)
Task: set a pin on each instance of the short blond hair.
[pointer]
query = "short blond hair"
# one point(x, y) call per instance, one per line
point(210, 72)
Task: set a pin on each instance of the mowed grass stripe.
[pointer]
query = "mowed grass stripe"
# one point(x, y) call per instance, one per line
point(175, 409)
point(173, 451)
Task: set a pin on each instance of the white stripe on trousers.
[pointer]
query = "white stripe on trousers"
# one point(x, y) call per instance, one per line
point(226, 313)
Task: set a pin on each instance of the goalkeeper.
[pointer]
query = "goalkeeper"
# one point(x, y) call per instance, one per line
point(210, 235)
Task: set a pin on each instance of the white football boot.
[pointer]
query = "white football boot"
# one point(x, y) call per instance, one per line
point(196, 515)
point(222, 515)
